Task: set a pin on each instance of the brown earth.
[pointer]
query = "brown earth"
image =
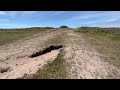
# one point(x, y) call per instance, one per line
point(83, 60)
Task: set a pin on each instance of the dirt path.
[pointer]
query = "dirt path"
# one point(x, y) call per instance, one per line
point(84, 61)
point(16, 55)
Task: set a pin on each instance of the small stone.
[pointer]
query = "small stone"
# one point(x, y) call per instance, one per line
point(4, 69)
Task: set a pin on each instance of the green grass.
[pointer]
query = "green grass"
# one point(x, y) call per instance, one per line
point(106, 42)
point(9, 36)
point(111, 34)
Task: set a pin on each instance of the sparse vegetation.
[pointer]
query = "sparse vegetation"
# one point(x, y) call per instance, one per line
point(111, 33)
point(10, 35)
point(106, 42)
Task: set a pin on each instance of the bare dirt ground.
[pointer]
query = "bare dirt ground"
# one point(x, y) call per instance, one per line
point(84, 61)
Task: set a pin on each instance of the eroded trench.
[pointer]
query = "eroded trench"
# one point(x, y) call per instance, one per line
point(36, 54)
point(46, 50)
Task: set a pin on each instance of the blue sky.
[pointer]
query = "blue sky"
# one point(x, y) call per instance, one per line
point(22, 19)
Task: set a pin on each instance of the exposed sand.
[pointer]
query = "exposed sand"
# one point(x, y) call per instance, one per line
point(85, 61)
point(29, 65)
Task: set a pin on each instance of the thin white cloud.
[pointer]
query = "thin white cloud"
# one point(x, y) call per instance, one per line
point(23, 13)
point(2, 13)
point(114, 19)
point(12, 25)
point(95, 15)
point(13, 14)
point(59, 12)
point(80, 17)
point(4, 20)
point(106, 24)
point(29, 12)
point(86, 16)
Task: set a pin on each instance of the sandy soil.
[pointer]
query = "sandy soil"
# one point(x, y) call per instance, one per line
point(84, 61)
point(16, 55)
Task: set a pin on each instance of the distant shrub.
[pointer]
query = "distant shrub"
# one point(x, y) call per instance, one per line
point(42, 27)
point(98, 28)
point(63, 26)
point(88, 28)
